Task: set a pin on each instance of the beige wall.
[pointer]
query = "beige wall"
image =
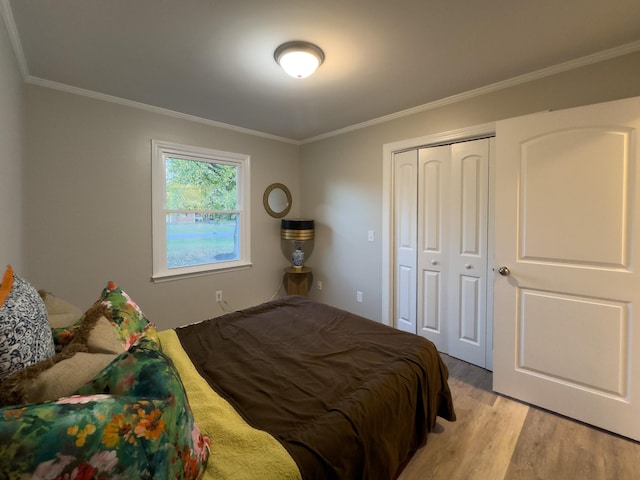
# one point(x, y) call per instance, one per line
point(88, 210)
point(88, 190)
point(11, 158)
point(341, 177)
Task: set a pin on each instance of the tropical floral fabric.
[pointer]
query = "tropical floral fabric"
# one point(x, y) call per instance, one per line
point(125, 316)
point(132, 421)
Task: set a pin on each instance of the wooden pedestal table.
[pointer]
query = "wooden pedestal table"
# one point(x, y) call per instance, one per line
point(297, 280)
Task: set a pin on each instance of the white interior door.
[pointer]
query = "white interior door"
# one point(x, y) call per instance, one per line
point(441, 247)
point(566, 226)
point(467, 266)
point(405, 172)
point(434, 246)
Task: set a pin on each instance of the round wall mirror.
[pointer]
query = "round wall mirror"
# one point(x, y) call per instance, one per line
point(277, 200)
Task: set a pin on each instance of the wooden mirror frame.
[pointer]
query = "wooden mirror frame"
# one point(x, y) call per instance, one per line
point(270, 208)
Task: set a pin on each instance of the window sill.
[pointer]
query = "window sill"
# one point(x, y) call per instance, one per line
point(169, 277)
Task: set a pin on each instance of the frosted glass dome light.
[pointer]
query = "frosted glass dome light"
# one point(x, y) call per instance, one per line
point(299, 59)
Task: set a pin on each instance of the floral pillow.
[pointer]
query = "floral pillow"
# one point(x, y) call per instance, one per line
point(125, 315)
point(132, 421)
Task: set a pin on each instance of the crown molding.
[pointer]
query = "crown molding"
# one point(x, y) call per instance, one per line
point(12, 30)
point(6, 13)
point(528, 77)
point(153, 109)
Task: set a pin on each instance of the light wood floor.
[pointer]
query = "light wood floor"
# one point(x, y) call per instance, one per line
point(497, 438)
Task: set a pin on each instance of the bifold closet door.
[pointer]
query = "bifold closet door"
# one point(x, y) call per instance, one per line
point(405, 188)
point(433, 250)
point(468, 250)
point(440, 231)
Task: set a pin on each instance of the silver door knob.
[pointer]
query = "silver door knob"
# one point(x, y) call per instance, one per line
point(504, 271)
point(434, 262)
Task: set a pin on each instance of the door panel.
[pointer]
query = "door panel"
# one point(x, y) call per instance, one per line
point(552, 165)
point(405, 317)
point(469, 328)
point(566, 203)
point(471, 200)
point(431, 306)
point(550, 343)
point(434, 174)
point(405, 239)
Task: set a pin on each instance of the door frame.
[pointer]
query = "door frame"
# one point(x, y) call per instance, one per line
point(388, 150)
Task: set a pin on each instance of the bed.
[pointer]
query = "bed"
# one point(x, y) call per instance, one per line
point(346, 397)
point(290, 389)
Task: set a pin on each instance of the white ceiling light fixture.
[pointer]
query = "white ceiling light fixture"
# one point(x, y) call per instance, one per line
point(299, 59)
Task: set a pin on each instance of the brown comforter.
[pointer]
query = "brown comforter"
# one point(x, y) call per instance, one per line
point(348, 398)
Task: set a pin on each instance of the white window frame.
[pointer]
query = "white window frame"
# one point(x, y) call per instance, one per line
point(160, 151)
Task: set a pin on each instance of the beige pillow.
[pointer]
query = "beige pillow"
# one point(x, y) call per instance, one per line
point(60, 312)
point(93, 347)
point(65, 377)
point(103, 339)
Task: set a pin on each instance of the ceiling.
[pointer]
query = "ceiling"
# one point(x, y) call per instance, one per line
point(213, 59)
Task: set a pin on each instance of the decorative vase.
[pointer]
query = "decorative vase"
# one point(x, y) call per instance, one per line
point(297, 257)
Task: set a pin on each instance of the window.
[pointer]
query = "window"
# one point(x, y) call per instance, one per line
point(201, 211)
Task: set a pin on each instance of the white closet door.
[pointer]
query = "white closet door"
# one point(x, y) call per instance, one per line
point(567, 205)
point(433, 243)
point(440, 224)
point(467, 246)
point(405, 173)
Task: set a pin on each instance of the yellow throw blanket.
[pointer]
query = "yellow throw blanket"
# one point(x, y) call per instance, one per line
point(238, 451)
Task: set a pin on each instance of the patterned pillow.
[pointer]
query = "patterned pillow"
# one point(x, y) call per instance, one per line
point(124, 314)
point(133, 421)
point(25, 335)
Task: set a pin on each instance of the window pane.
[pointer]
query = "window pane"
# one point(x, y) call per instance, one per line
point(201, 210)
point(197, 239)
point(194, 185)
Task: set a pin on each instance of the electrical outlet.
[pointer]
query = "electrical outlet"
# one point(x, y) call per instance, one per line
point(319, 284)
point(218, 295)
point(359, 296)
